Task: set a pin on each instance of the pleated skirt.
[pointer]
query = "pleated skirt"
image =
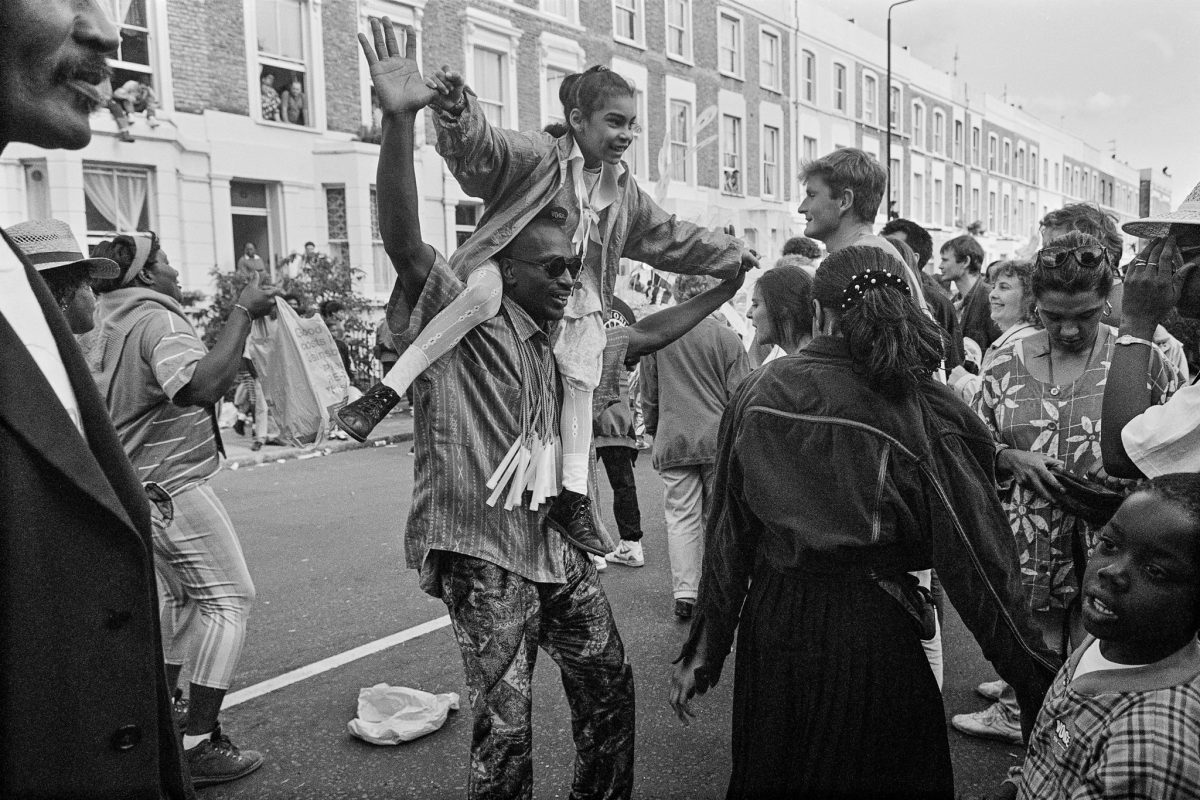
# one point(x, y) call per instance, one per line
point(833, 697)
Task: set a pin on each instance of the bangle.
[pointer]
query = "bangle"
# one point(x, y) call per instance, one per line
point(1126, 339)
point(243, 308)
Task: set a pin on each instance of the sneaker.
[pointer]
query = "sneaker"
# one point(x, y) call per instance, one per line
point(360, 417)
point(217, 760)
point(627, 553)
point(600, 563)
point(684, 608)
point(994, 722)
point(179, 710)
point(571, 515)
point(991, 689)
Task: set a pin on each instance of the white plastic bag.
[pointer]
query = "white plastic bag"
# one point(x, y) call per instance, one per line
point(301, 373)
point(395, 714)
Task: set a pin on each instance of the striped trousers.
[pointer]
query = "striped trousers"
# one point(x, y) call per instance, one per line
point(204, 585)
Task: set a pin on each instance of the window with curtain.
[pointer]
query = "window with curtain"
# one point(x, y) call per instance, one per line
point(679, 29)
point(489, 83)
point(770, 161)
point(116, 199)
point(627, 20)
point(731, 155)
point(680, 136)
point(729, 45)
point(335, 223)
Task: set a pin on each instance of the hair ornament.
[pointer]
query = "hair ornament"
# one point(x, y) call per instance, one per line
point(864, 282)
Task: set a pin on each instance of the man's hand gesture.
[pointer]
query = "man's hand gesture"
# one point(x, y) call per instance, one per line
point(394, 71)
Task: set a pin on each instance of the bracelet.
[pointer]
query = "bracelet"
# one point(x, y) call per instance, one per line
point(1126, 339)
point(243, 308)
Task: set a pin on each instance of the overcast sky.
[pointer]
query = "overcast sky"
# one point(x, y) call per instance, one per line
point(1123, 70)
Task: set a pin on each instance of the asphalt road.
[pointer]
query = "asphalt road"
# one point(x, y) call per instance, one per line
point(323, 538)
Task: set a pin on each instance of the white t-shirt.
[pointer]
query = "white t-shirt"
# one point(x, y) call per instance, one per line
point(20, 307)
point(1164, 439)
point(1093, 660)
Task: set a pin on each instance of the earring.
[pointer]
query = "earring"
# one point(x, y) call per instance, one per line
point(64, 305)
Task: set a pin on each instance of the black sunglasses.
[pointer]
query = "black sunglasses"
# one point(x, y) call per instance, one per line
point(1088, 256)
point(555, 266)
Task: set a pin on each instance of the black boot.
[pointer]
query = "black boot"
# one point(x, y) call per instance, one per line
point(571, 515)
point(359, 418)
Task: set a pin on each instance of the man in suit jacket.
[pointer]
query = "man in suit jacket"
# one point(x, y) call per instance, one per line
point(84, 710)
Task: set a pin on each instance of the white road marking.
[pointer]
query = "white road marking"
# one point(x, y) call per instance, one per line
point(333, 662)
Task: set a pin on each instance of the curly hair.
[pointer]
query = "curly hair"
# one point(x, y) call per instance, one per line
point(917, 238)
point(1023, 272)
point(1089, 218)
point(802, 246)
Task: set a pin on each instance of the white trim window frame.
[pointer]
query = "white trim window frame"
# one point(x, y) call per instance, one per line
point(558, 57)
point(895, 98)
point(841, 88)
point(731, 44)
point(993, 152)
point(976, 146)
point(733, 155)
point(958, 139)
point(1006, 158)
point(870, 98)
point(637, 157)
point(770, 59)
point(938, 193)
point(772, 141)
point(808, 149)
point(918, 197)
point(282, 46)
point(678, 21)
point(808, 76)
point(139, 27)
point(629, 22)
point(919, 140)
point(122, 184)
point(491, 65)
point(938, 126)
point(567, 10)
point(680, 120)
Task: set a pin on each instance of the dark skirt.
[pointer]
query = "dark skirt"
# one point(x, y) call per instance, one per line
point(833, 696)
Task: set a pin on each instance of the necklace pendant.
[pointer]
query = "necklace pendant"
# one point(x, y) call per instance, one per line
point(1054, 391)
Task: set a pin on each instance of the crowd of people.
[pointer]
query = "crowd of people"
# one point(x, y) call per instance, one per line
point(1020, 439)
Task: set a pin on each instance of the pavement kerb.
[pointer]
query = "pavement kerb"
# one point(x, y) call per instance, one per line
point(328, 447)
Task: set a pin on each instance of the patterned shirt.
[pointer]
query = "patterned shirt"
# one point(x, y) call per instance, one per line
point(467, 413)
point(1130, 733)
point(150, 351)
point(1022, 413)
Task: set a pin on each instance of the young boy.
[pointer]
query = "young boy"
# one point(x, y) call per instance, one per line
point(1123, 716)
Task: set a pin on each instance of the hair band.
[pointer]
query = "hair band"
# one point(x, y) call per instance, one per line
point(142, 244)
point(864, 282)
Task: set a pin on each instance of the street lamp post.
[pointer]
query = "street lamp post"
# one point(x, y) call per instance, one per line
point(888, 148)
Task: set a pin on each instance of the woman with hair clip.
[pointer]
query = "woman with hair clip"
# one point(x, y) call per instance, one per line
point(833, 695)
point(577, 178)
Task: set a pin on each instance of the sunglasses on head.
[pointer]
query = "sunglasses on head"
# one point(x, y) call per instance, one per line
point(555, 266)
point(1088, 256)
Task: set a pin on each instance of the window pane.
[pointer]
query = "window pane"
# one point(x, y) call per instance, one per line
point(489, 84)
point(680, 133)
point(554, 79)
point(268, 34)
point(291, 29)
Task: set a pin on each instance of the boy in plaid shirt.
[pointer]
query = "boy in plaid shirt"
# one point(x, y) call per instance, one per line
point(1123, 716)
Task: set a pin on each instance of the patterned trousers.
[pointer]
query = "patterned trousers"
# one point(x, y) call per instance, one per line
point(500, 620)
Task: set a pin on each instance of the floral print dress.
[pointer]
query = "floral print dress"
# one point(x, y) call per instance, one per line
point(1022, 412)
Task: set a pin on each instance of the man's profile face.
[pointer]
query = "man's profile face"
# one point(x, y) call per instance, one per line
point(526, 282)
point(51, 65)
point(820, 209)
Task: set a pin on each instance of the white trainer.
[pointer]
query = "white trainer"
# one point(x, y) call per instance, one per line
point(627, 553)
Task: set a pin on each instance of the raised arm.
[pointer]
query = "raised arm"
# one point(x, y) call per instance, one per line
point(402, 93)
point(1151, 291)
point(659, 330)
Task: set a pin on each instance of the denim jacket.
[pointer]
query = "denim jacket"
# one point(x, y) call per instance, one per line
point(820, 473)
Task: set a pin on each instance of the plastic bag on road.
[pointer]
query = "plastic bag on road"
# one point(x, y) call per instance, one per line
point(395, 714)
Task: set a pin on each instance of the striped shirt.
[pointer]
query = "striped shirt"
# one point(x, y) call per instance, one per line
point(172, 445)
point(1118, 733)
point(466, 415)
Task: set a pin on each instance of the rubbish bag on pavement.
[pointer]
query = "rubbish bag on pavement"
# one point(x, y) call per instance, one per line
point(301, 373)
point(395, 714)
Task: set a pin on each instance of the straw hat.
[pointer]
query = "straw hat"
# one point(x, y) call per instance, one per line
point(1153, 227)
point(49, 243)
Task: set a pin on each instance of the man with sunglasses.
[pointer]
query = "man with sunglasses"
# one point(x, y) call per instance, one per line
point(511, 584)
point(1142, 439)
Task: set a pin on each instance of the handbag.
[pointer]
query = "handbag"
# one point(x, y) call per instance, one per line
point(1086, 499)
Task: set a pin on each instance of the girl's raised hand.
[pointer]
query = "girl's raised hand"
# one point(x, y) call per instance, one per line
point(394, 71)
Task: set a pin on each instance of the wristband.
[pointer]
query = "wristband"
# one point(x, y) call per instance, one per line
point(243, 308)
point(1126, 339)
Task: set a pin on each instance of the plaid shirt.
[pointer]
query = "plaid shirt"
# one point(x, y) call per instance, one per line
point(1130, 733)
point(466, 415)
